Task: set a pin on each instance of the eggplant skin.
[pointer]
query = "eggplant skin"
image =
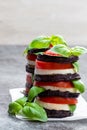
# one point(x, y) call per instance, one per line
point(57, 59)
point(29, 69)
point(35, 50)
point(57, 77)
point(58, 113)
point(50, 93)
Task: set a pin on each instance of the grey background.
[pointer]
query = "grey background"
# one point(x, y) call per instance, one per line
point(20, 22)
point(23, 20)
point(12, 75)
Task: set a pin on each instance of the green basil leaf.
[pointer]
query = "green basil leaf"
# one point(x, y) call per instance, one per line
point(78, 84)
point(34, 91)
point(14, 108)
point(61, 49)
point(39, 42)
point(44, 42)
point(57, 39)
point(76, 66)
point(21, 101)
point(77, 51)
point(26, 50)
point(34, 112)
point(72, 108)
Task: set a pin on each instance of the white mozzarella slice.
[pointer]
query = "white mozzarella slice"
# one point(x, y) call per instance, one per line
point(28, 73)
point(30, 62)
point(53, 106)
point(60, 71)
point(54, 88)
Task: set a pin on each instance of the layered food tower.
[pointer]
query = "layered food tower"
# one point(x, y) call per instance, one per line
point(58, 75)
point(53, 83)
point(38, 45)
point(31, 57)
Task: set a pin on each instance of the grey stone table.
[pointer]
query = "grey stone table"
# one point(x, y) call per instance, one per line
point(12, 75)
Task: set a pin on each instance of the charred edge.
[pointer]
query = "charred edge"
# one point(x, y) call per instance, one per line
point(56, 59)
point(29, 69)
point(58, 77)
point(49, 93)
point(35, 50)
point(58, 113)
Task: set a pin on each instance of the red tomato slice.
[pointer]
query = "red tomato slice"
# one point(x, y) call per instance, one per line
point(52, 65)
point(59, 100)
point(61, 84)
point(29, 79)
point(31, 57)
point(49, 52)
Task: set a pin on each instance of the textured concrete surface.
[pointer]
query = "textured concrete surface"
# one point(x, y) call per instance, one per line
point(23, 20)
point(12, 75)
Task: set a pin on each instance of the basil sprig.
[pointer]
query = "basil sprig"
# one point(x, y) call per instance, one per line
point(25, 107)
point(61, 49)
point(72, 107)
point(76, 66)
point(22, 101)
point(40, 42)
point(34, 112)
point(77, 51)
point(78, 84)
point(14, 108)
point(45, 42)
point(57, 39)
point(34, 91)
point(67, 52)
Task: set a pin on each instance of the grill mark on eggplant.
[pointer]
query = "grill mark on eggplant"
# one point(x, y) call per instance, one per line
point(50, 93)
point(59, 59)
point(57, 77)
point(58, 113)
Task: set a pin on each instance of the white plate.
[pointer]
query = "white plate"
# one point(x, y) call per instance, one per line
point(80, 113)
